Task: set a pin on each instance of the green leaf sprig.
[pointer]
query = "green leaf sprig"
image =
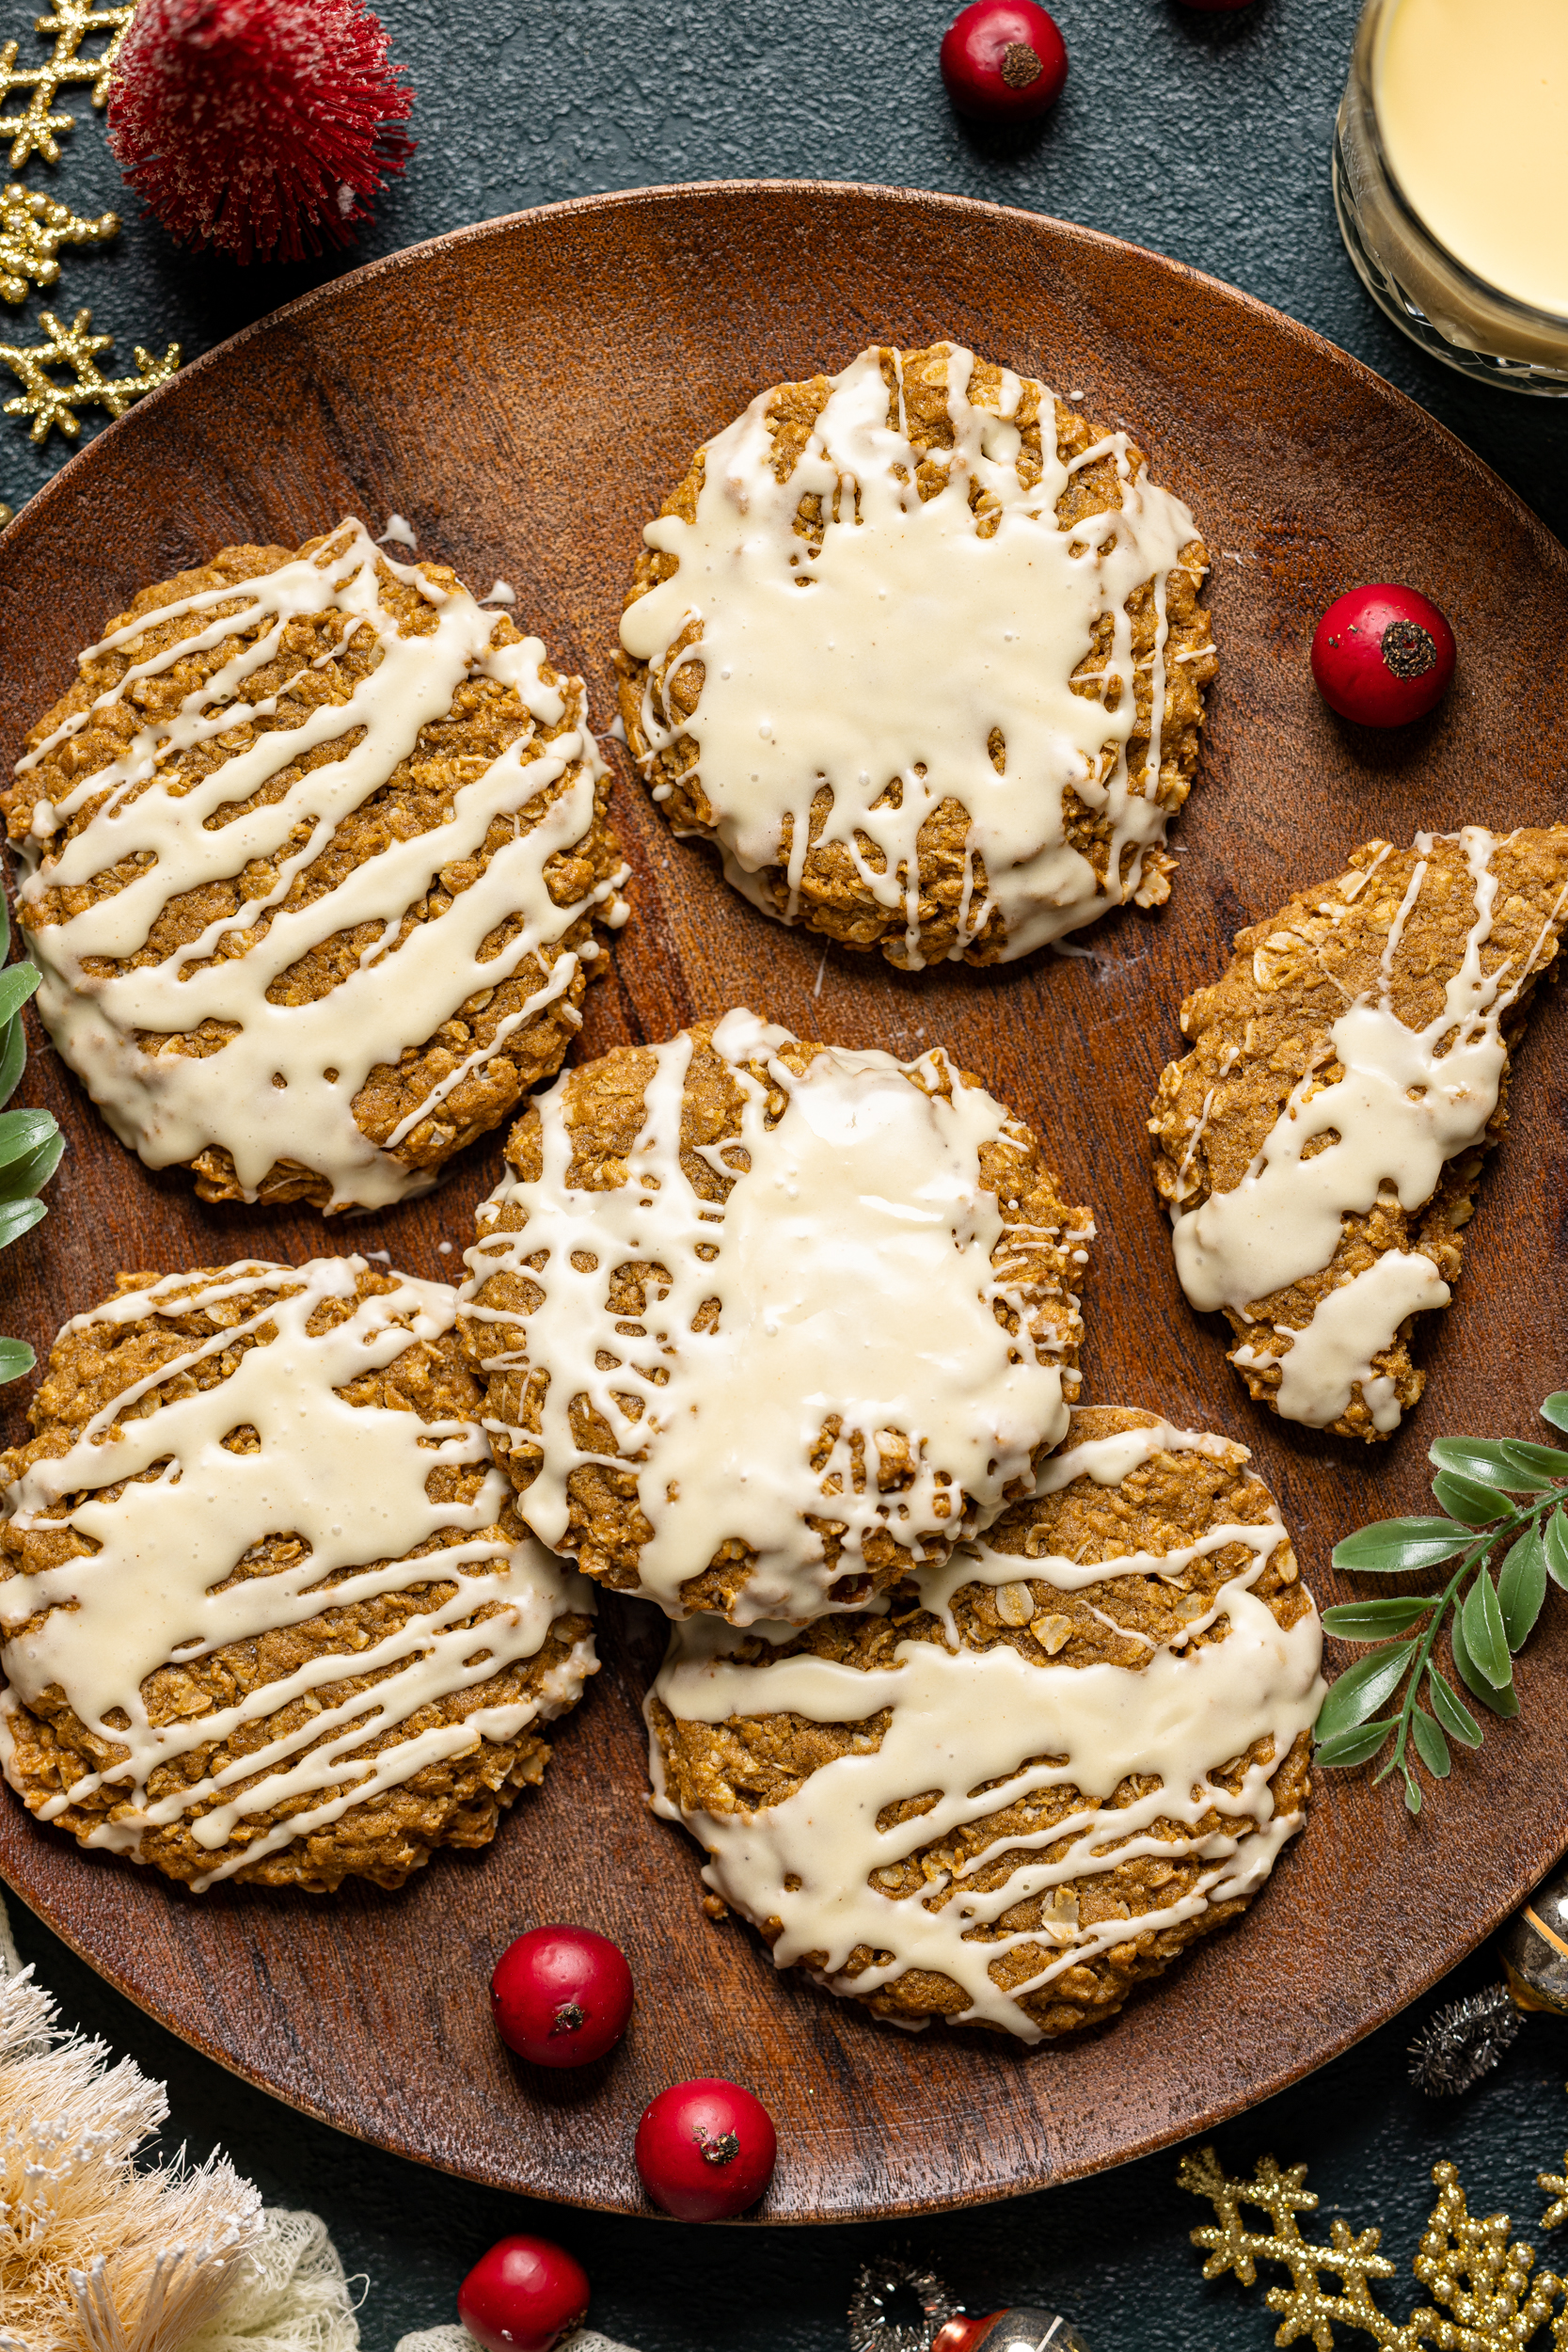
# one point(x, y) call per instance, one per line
point(1493, 1492)
point(30, 1141)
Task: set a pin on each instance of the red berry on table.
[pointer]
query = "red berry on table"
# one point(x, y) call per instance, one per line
point(1003, 62)
point(523, 2296)
point(1383, 655)
point(562, 1997)
point(706, 2149)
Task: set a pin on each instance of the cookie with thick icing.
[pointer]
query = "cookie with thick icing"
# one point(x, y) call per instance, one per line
point(267, 1611)
point(1320, 1147)
point(919, 649)
point(1030, 1779)
point(766, 1324)
point(312, 852)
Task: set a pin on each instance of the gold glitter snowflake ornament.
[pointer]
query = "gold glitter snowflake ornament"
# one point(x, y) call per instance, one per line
point(33, 130)
point(1474, 2270)
point(33, 228)
point(51, 403)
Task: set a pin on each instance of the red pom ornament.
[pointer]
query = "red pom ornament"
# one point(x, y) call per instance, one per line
point(1383, 655)
point(258, 126)
point(523, 2296)
point(562, 1997)
point(1003, 62)
point(706, 2149)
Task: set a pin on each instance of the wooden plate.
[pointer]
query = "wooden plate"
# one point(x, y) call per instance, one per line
point(525, 392)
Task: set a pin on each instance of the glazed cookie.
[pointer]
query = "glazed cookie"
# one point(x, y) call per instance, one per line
point(766, 1324)
point(1320, 1147)
point(920, 651)
point(267, 1610)
point(312, 854)
point(1041, 1771)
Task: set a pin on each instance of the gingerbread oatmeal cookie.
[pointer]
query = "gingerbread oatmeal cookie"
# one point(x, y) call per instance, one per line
point(919, 649)
point(1031, 1778)
point(314, 852)
point(267, 1610)
point(765, 1324)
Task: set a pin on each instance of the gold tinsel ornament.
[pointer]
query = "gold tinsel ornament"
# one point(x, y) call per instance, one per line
point(33, 228)
point(33, 130)
point(1483, 2296)
point(75, 347)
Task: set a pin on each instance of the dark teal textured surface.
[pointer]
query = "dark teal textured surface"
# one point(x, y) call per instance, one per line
point(1206, 138)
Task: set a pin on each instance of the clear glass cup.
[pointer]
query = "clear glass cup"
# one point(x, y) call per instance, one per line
point(1426, 290)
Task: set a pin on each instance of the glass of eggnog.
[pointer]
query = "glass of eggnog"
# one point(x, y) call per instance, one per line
point(1450, 178)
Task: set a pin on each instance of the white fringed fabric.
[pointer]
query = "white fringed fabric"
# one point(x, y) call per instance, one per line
point(99, 2255)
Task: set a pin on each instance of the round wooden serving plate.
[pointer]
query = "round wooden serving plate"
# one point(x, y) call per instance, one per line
point(524, 393)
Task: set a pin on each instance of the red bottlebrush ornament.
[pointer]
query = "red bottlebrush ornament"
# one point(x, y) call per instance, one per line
point(258, 126)
point(1383, 655)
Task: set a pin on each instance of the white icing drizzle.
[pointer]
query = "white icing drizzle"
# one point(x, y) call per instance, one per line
point(283, 1086)
point(895, 651)
point(1408, 1101)
point(854, 1267)
point(350, 1482)
point(962, 1719)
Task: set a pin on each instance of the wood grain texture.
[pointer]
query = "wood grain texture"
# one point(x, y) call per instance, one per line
point(525, 392)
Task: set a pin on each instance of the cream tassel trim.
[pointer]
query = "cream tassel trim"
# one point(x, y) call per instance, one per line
point(98, 2256)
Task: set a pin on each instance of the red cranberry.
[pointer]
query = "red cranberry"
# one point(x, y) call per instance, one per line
point(561, 1995)
point(523, 2296)
point(1003, 62)
point(706, 2149)
point(1383, 655)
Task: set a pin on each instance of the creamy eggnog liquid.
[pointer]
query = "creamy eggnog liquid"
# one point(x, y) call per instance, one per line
point(1472, 103)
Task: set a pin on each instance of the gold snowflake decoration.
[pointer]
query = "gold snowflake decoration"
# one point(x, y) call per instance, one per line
point(33, 130)
point(51, 403)
point(33, 228)
point(1472, 2268)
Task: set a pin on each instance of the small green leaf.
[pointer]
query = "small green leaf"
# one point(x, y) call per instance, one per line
point(1362, 1688)
point(1451, 1711)
point(1502, 1702)
point(1354, 1746)
point(22, 1132)
point(1545, 1463)
point(1430, 1746)
point(1555, 1545)
point(1481, 1459)
point(18, 1218)
point(16, 1358)
point(1466, 1499)
point(1411, 1792)
point(1390, 1547)
point(1522, 1586)
point(1372, 1620)
point(13, 1055)
point(27, 1176)
point(17, 983)
point(1485, 1636)
point(1556, 1408)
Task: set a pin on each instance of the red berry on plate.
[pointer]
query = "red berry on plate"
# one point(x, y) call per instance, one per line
point(561, 1995)
point(1003, 62)
point(523, 2296)
point(1383, 655)
point(706, 2149)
